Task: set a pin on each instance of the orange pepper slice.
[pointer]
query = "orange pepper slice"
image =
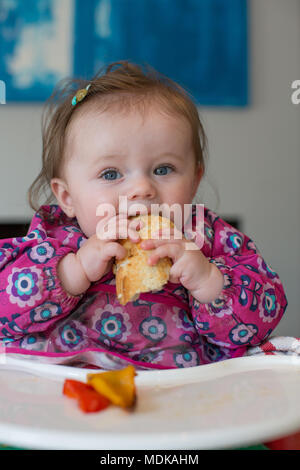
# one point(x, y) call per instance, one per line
point(117, 385)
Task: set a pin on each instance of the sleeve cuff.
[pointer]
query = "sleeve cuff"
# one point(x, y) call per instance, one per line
point(224, 298)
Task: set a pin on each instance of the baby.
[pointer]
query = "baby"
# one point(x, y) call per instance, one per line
point(133, 133)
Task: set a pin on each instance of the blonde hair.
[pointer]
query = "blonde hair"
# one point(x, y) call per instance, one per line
point(122, 83)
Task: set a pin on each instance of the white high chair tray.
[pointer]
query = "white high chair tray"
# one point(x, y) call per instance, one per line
point(233, 403)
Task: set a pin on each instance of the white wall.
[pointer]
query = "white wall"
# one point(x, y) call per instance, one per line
point(254, 152)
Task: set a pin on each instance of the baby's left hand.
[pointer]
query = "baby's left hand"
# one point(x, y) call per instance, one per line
point(190, 267)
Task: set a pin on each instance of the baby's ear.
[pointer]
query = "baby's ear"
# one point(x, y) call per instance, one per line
point(60, 190)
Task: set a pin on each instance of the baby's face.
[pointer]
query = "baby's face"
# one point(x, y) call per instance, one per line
point(148, 160)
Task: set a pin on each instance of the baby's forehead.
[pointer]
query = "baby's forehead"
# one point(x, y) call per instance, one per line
point(122, 105)
point(97, 130)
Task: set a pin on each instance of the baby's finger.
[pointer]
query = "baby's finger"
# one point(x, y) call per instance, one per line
point(172, 251)
point(151, 243)
point(111, 250)
point(175, 274)
point(174, 279)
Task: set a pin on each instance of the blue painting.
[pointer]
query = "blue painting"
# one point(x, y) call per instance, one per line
point(36, 46)
point(201, 44)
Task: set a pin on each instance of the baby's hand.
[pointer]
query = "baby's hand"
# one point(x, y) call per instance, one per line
point(190, 267)
point(96, 256)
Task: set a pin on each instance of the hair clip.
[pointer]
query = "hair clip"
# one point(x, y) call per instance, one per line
point(80, 95)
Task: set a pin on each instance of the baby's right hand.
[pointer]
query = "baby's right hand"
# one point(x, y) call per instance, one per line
point(96, 256)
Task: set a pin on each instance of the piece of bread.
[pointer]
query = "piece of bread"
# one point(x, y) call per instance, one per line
point(133, 274)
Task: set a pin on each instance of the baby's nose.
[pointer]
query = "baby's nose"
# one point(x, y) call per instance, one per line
point(141, 189)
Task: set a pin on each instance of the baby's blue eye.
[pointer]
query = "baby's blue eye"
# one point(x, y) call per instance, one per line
point(110, 173)
point(163, 168)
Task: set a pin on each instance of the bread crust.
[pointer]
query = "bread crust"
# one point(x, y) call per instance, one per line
point(133, 274)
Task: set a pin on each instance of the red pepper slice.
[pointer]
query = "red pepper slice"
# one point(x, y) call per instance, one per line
point(88, 399)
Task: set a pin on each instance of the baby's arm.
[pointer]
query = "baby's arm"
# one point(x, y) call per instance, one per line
point(95, 257)
point(45, 274)
point(252, 300)
point(31, 294)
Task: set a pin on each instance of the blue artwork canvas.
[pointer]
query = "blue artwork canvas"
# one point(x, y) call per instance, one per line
point(201, 44)
point(36, 46)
